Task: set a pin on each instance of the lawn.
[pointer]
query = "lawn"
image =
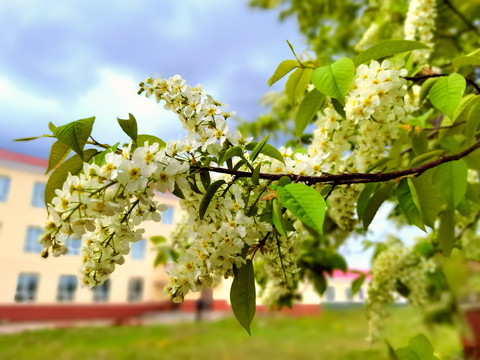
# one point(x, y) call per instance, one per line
point(335, 334)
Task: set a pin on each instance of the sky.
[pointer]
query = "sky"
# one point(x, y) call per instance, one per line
point(67, 60)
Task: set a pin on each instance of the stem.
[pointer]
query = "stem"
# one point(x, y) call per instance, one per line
point(467, 22)
point(354, 178)
point(423, 77)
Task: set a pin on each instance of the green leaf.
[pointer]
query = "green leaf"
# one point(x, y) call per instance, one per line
point(464, 107)
point(205, 178)
point(242, 294)
point(212, 189)
point(75, 134)
point(473, 121)
point(72, 165)
point(339, 108)
point(277, 218)
point(51, 127)
point(258, 148)
point(421, 159)
point(374, 203)
point(58, 153)
point(364, 198)
point(419, 348)
point(407, 204)
point(305, 203)
point(380, 163)
point(230, 153)
point(284, 180)
point(460, 61)
point(387, 48)
point(158, 239)
point(357, 283)
point(30, 138)
point(422, 119)
point(143, 138)
point(100, 157)
point(256, 175)
point(307, 110)
point(129, 126)
point(283, 69)
point(446, 232)
point(267, 150)
point(427, 198)
point(447, 92)
point(425, 89)
point(334, 80)
point(450, 179)
point(297, 83)
point(160, 259)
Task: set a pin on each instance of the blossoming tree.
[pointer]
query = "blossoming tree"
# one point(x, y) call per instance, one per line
point(392, 122)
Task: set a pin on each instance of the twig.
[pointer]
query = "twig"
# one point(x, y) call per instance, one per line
point(469, 24)
point(354, 178)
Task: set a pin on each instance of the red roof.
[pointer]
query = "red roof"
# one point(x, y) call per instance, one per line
point(23, 158)
point(351, 274)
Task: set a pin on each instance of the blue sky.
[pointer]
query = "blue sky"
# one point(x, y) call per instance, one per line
point(66, 60)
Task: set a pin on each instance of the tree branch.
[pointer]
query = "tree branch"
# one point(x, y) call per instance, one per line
point(423, 77)
point(467, 22)
point(352, 178)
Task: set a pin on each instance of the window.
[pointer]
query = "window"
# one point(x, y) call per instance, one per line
point(135, 289)
point(32, 245)
point(38, 194)
point(27, 286)
point(330, 293)
point(349, 294)
point(167, 216)
point(101, 292)
point(4, 188)
point(137, 249)
point(67, 286)
point(73, 246)
point(361, 295)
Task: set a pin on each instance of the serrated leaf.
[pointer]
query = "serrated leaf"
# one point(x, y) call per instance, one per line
point(297, 83)
point(407, 204)
point(75, 134)
point(357, 283)
point(243, 295)
point(460, 61)
point(374, 203)
point(427, 198)
point(305, 203)
point(307, 110)
point(387, 48)
point(447, 92)
point(72, 165)
point(129, 126)
point(334, 80)
point(143, 138)
point(256, 175)
point(446, 232)
point(58, 153)
point(450, 180)
point(207, 198)
point(267, 150)
point(283, 69)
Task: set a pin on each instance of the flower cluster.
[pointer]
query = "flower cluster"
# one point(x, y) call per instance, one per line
point(105, 203)
point(398, 266)
point(419, 25)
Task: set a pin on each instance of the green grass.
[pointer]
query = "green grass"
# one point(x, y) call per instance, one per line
point(335, 334)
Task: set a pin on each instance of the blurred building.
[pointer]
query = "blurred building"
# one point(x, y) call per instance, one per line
point(37, 288)
point(28, 279)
